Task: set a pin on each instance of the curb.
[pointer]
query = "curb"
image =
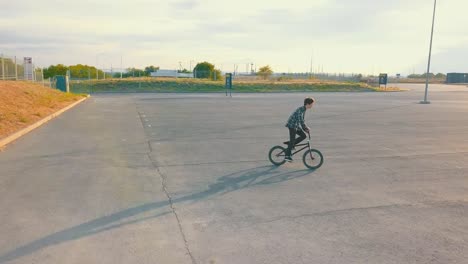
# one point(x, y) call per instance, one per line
point(39, 123)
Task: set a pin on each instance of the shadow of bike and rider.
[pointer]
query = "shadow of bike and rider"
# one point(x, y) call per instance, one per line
point(248, 178)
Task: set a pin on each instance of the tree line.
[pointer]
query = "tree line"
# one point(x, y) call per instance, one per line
point(81, 71)
point(203, 70)
point(431, 75)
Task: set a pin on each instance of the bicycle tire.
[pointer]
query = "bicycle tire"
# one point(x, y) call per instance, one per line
point(314, 163)
point(272, 154)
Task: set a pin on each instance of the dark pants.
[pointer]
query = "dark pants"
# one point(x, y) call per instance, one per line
point(293, 140)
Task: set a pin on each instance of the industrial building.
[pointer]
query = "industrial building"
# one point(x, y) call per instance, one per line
point(454, 77)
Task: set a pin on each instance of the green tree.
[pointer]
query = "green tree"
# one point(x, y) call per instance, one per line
point(431, 75)
point(206, 70)
point(441, 75)
point(265, 71)
point(133, 72)
point(150, 69)
point(203, 70)
point(54, 70)
point(216, 75)
point(80, 71)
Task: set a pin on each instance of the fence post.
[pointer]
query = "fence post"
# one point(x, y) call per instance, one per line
point(16, 70)
point(67, 83)
point(42, 73)
point(3, 67)
point(34, 77)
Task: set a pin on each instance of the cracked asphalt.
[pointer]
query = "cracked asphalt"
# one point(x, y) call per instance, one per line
point(185, 178)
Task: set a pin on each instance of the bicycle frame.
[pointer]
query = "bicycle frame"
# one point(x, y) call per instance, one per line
point(307, 145)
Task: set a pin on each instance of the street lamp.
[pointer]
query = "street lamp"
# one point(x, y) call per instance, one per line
point(97, 67)
point(191, 69)
point(429, 60)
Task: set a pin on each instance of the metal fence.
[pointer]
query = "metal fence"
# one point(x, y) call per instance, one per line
point(92, 73)
point(300, 76)
point(249, 76)
point(21, 69)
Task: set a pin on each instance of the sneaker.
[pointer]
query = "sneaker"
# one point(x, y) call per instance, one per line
point(288, 159)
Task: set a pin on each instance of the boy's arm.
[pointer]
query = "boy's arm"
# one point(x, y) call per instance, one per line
point(302, 122)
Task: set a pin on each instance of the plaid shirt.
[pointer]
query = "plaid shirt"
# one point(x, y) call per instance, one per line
point(296, 119)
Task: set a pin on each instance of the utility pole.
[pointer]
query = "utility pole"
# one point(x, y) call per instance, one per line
point(429, 59)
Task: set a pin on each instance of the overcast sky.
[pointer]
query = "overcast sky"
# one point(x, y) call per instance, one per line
point(350, 36)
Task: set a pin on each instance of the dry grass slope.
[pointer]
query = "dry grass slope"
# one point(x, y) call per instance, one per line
point(24, 103)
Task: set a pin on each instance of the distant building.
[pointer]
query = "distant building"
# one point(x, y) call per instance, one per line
point(454, 77)
point(171, 73)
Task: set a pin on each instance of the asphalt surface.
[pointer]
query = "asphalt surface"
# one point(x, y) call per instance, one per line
point(185, 178)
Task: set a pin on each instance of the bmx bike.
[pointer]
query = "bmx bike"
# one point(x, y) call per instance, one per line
point(312, 158)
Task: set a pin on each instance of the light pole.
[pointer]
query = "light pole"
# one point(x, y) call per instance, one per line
point(191, 69)
point(97, 68)
point(429, 60)
point(121, 69)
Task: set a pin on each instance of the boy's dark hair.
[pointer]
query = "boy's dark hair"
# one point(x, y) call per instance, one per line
point(308, 100)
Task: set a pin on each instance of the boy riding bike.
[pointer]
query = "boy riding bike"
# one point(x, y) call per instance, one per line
point(296, 125)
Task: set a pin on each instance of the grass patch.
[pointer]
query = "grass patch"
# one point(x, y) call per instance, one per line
point(391, 89)
point(168, 85)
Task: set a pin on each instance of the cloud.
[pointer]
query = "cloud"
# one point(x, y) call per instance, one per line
point(341, 35)
point(450, 60)
point(185, 5)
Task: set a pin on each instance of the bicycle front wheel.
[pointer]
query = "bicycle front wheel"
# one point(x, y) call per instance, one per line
point(312, 159)
point(276, 155)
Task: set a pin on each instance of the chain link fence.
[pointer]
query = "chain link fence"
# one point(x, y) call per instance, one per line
point(21, 69)
point(339, 77)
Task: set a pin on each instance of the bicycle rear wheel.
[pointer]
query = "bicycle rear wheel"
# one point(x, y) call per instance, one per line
point(312, 159)
point(276, 155)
